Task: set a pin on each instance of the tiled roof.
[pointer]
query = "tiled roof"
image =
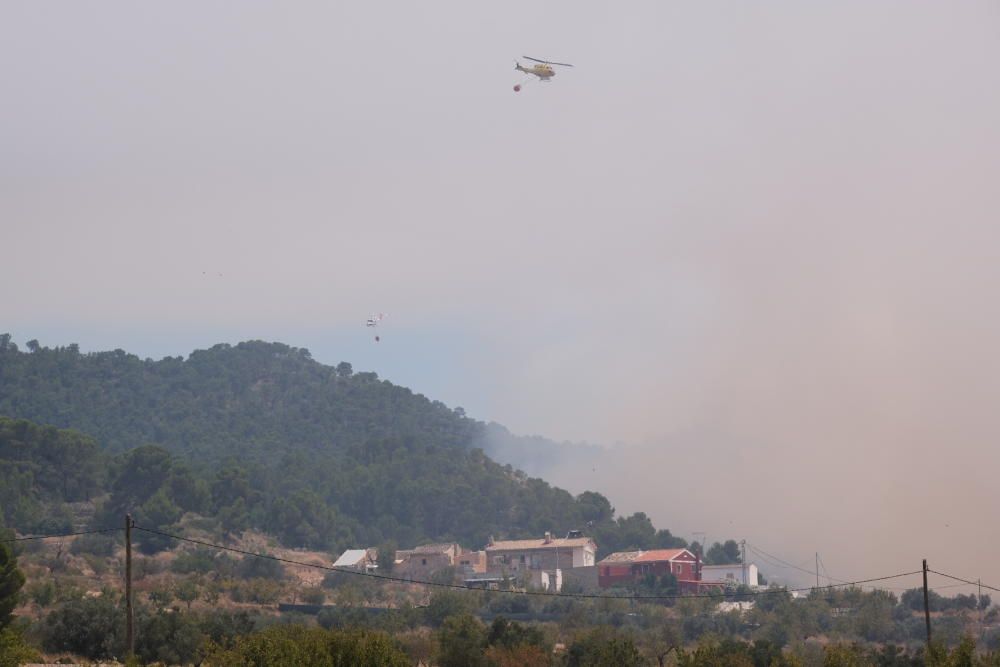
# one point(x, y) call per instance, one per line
point(660, 555)
point(539, 543)
point(431, 548)
point(653, 555)
point(621, 557)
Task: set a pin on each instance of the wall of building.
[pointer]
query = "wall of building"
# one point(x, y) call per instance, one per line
point(614, 575)
point(730, 573)
point(627, 572)
point(531, 559)
point(583, 557)
point(471, 562)
point(421, 566)
point(585, 577)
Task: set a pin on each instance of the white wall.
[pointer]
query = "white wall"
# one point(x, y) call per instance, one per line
point(732, 573)
point(583, 557)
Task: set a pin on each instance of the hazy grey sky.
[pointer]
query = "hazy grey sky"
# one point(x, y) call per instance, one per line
point(757, 238)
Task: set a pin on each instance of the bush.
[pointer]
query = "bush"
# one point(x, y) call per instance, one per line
point(260, 568)
point(90, 627)
point(448, 603)
point(161, 596)
point(314, 595)
point(461, 642)
point(282, 645)
point(14, 650)
point(99, 564)
point(519, 656)
point(337, 579)
point(96, 544)
point(146, 567)
point(169, 638)
point(200, 561)
point(223, 627)
point(257, 591)
point(600, 648)
point(42, 593)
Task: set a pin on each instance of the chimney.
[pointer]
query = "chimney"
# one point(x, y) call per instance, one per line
point(548, 537)
point(491, 543)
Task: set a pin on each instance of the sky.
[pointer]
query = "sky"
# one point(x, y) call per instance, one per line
point(752, 245)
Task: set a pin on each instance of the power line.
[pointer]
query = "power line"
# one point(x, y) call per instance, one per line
point(764, 554)
point(826, 572)
point(386, 577)
point(965, 581)
point(45, 537)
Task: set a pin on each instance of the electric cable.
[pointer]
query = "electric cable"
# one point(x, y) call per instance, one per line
point(401, 580)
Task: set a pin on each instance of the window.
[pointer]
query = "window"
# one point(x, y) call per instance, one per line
point(423, 561)
point(522, 558)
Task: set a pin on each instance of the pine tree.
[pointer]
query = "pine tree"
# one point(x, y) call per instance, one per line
point(11, 580)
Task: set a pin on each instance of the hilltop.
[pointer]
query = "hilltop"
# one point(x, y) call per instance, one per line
point(260, 435)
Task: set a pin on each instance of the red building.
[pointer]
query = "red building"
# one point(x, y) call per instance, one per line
point(629, 567)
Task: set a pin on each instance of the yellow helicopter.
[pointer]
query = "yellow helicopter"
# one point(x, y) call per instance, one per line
point(542, 69)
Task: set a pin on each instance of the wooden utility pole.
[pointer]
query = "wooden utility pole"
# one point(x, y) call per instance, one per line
point(129, 615)
point(979, 605)
point(927, 607)
point(817, 570)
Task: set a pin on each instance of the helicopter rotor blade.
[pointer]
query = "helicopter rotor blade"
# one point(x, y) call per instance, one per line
point(547, 62)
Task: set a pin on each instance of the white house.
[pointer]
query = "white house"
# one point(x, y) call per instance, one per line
point(546, 553)
point(362, 560)
point(736, 574)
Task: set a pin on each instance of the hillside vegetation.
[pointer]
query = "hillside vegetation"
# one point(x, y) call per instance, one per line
point(259, 435)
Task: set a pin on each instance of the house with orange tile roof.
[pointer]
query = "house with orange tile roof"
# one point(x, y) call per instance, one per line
point(629, 567)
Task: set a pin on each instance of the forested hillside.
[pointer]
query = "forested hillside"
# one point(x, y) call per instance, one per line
point(261, 435)
point(243, 400)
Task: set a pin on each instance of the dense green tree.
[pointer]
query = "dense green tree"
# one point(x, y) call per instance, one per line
point(283, 645)
point(14, 650)
point(187, 591)
point(92, 627)
point(11, 581)
point(602, 648)
point(511, 634)
point(200, 560)
point(41, 466)
point(446, 603)
point(727, 553)
point(141, 474)
point(260, 568)
point(168, 637)
point(387, 556)
point(461, 642)
point(594, 508)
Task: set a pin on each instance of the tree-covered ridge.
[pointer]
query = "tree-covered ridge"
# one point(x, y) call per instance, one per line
point(41, 469)
point(251, 396)
point(259, 435)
